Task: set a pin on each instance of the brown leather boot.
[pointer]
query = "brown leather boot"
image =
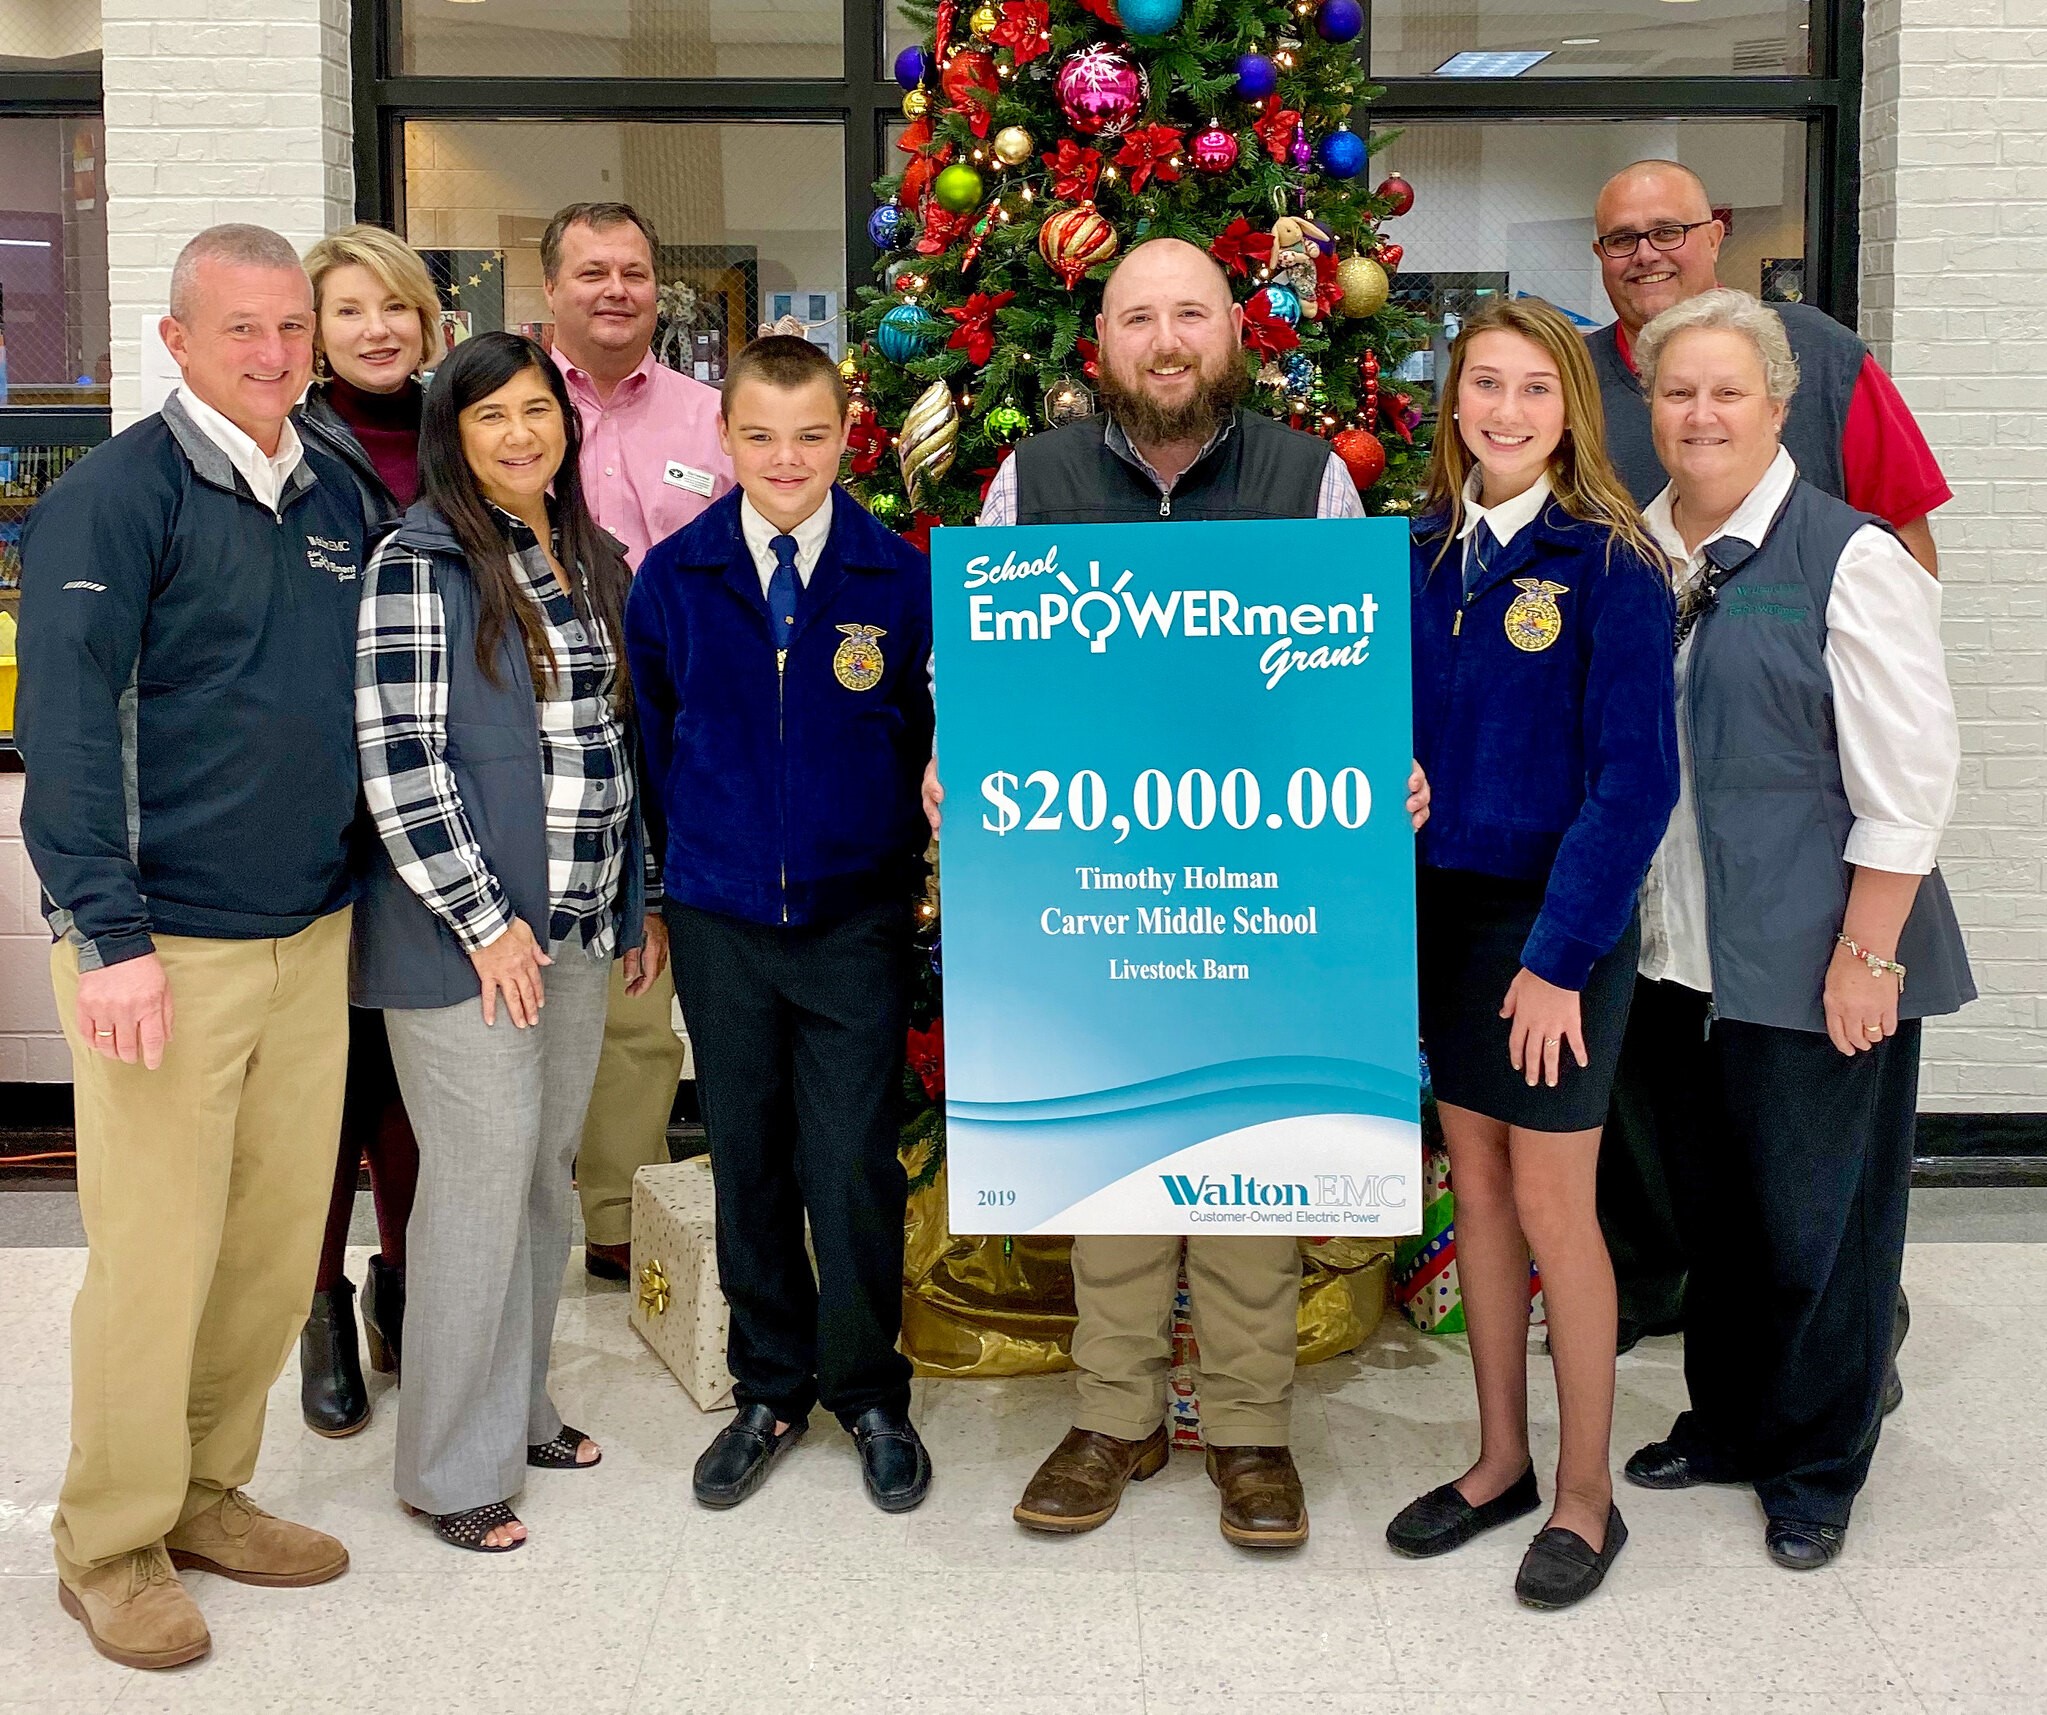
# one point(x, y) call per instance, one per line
point(1081, 1480)
point(1263, 1506)
point(135, 1610)
point(238, 1539)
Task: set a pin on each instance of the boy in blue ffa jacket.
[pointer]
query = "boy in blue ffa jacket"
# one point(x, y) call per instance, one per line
point(780, 649)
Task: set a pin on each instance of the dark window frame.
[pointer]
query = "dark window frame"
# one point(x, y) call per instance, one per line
point(1828, 100)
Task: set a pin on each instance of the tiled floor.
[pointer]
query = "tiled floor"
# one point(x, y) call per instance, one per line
point(630, 1598)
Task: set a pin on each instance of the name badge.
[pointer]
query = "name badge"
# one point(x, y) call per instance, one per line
point(679, 475)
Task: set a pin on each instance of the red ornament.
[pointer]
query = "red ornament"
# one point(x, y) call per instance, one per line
point(970, 85)
point(1398, 192)
point(1104, 10)
point(1215, 150)
point(1075, 239)
point(1388, 257)
point(1362, 456)
point(1102, 91)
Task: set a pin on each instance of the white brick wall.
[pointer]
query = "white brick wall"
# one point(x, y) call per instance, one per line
point(1954, 230)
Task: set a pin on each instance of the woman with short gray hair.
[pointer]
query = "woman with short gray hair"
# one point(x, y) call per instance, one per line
point(1774, 1037)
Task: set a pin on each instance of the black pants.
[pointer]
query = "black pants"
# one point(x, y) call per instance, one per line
point(798, 1036)
point(1790, 1165)
point(1637, 1212)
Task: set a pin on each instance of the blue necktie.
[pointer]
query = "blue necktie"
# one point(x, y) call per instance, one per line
point(782, 589)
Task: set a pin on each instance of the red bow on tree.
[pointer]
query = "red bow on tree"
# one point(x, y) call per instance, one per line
point(1264, 332)
point(867, 440)
point(926, 1051)
point(1327, 293)
point(1025, 29)
point(1148, 151)
point(916, 136)
point(940, 227)
point(1239, 245)
point(918, 531)
point(1090, 358)
point(1104, 10)
point(976, 333)
point(1276, 131)
point(1074, 171)
point(917, 176)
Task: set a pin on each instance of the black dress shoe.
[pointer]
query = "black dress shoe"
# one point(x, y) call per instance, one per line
point(737, 1460)
point(893, 1462)
point(607, 1262)
point(383, 1315)
point(1800, 1546)
point(1661, 1466)
point(332, 1397)
point(1561, 1567)
point(1443, 1519)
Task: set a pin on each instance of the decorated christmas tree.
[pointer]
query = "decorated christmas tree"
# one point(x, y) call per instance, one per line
point(1046, 137)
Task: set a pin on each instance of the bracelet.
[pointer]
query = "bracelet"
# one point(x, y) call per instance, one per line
point(1876, 963)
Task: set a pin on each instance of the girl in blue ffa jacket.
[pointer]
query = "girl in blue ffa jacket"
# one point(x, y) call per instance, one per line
point(780, 649)
point(1543, 720)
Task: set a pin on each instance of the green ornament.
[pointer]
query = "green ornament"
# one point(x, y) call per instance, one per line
point(958, 188)
point(886, 507)
point(1006, 422)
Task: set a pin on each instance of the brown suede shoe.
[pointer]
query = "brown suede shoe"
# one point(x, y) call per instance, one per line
point(1263, 1506)
point(1081, 1480)
point(135, 1610)
point(238, 1539)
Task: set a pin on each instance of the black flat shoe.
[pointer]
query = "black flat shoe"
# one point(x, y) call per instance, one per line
point(893, 1462)
point(1661, 1466)
point(1443, 1519)
point(1561, 1567)
point(1798, 1546)
point(383, 1315)
point(737, 1460)
point(332, 1397)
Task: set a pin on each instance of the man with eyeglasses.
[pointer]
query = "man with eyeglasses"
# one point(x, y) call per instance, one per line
point(1849, 430)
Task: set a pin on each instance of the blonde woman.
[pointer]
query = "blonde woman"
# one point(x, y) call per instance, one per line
point(376, 314)
point(1544, 722)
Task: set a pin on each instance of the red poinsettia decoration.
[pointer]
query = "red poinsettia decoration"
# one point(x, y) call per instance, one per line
point(1104, 10)
point(939, 229)
point(1149, 152)
point(1074, 171)
point(1090, 358)
point(926, 1052)
point(976, 333)
point(1239, 245)
point(1276, 131)
point(1024, 27)
point(1264, 332)
point(1327, 293)
point(918, 532)
point(969, 84)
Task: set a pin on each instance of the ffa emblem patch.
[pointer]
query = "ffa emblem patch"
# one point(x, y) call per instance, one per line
point(1533, 619)
point(857, 661)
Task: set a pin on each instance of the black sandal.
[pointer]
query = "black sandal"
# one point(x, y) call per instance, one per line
point(560, 1453)
point(468, 1529)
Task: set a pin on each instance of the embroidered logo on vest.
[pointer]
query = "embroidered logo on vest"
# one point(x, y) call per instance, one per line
point(1534, 621)
point(857, 662)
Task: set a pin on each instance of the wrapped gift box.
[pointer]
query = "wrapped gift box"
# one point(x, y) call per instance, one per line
point(677, 1304)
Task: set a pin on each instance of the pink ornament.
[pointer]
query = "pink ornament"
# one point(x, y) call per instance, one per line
point(1102, 91)
point(1215, 150)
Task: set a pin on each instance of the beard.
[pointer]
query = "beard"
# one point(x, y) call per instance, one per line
point(1146, 421)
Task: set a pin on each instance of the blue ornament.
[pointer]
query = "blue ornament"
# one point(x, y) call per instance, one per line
point(1340, 20)
point(911, 66)
point(885, 227)
point(1257, 76)
point(1283, 302)
point(1149, 17)
point(1299, 370)
point(906, 332)
point(1341, 154)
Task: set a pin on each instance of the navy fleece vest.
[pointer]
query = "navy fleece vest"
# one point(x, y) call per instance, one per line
point(1261, 469)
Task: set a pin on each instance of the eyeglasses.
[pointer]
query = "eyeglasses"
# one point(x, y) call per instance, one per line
point(1621, 245)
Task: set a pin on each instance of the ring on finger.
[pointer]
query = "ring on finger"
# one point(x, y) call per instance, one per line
point(103, 1033)
point(1551, 1041)
point(1873, 1030)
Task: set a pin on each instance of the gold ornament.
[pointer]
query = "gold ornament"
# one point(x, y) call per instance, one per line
point(929, 439)
point(849, 369)
point(917, 103)
point(1013, 145)
point(1363, 285)
point(1074, 239)
point(653, 1290)
point(984, 20)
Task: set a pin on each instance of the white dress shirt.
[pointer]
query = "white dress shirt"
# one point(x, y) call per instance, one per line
point(760, 537)
point(265, 473)
point(1503, 522)
point(1894, 722)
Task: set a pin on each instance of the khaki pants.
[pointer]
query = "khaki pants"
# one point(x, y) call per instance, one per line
point(204, 1189)
point(634, 1094)
point(1245, 1296)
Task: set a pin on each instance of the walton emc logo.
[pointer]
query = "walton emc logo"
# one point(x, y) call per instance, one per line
point(1245, 1191)
point(1107, 609)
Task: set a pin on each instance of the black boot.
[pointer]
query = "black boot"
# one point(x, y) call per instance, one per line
point(383, 1315)
point(331, 1392)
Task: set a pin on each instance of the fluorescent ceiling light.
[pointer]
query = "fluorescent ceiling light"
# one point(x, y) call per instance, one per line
point(1580, 42)
point(26, 243)
point(1508, 64)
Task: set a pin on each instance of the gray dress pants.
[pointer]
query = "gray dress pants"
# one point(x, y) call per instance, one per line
point(498, 1112)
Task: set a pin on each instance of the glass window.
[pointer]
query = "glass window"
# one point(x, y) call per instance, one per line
point(1589, 38)
point(897, 33)
point(53, 261)
point(751, 218)
point(618, 38)
point(1507, 207)
point(49, 35)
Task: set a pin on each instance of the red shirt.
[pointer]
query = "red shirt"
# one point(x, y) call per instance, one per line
point(1888, 468)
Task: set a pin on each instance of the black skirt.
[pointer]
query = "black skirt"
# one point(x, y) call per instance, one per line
point(1471, 929)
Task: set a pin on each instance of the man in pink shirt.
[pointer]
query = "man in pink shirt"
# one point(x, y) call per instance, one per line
point(651, 462)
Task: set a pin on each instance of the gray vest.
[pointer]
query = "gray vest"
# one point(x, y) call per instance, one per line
point(1829, 360)
point(1766, 770)
point(403, 956)
point(1260, 469)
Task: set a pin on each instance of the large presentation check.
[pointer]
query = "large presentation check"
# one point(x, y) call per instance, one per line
point(1178, 878)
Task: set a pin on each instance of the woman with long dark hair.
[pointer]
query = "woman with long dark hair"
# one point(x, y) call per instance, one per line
point(493, 716)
